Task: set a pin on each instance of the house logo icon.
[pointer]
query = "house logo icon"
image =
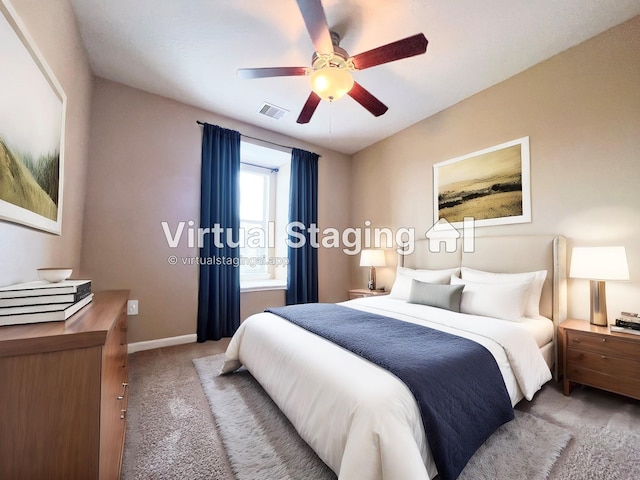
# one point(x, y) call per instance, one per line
point(444, 233)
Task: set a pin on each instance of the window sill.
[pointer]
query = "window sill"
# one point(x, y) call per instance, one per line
point(262, 285)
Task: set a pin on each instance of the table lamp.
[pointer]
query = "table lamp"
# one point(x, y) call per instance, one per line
point(599, 264)
point(372, 259)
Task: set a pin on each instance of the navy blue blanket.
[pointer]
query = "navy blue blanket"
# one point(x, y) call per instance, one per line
point(456, 382)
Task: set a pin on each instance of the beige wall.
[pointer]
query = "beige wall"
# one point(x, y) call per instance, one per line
point(144, 169)
point(52, 26)
point(255, 302)
point(581, 110)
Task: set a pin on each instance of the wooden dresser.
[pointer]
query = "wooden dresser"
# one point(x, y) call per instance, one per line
point(594, 356)
point(63, 394)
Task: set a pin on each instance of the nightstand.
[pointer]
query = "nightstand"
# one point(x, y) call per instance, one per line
point(365, 292)
point(594, 356)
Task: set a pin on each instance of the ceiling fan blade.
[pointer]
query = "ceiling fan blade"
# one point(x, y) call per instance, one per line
point(316, 22)
point(408, 47)
point(309, 108)
point(368, 101)
point(271, 72)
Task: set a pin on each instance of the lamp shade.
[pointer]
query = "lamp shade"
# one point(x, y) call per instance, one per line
point(331, 83)
point(372, 258)
point(599, 263)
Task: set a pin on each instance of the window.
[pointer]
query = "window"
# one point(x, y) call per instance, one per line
point(264, 207)
point(255, 216)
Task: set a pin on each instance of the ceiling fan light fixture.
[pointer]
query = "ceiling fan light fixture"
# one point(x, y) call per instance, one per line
point(331, 65)
point(331, 82)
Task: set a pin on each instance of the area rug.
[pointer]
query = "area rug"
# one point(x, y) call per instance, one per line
point(605, 433)
point(263, 445)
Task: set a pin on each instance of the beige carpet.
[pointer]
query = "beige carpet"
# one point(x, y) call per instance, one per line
point(171, 433)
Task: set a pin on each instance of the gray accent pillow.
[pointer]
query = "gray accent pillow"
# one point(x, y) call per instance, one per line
point(447, 297)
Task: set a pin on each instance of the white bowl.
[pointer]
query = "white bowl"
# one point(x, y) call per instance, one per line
point(54, 275)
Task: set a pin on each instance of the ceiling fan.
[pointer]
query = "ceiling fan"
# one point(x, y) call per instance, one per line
point(331, 65)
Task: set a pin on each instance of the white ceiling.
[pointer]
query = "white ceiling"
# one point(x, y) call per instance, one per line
point(190, 50)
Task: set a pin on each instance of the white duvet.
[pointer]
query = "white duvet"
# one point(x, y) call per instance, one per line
point(361, 420)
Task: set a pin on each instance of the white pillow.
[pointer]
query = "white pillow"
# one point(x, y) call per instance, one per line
point(499, 300)
point(404, 277)
point(535, 279)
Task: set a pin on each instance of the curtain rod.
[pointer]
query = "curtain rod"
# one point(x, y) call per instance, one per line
point(258, 139)
point(254, 165)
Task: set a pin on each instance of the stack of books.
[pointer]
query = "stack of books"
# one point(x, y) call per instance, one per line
point(40, 301)
point(627, 323)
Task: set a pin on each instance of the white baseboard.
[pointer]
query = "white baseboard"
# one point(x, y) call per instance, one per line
point(161, 342)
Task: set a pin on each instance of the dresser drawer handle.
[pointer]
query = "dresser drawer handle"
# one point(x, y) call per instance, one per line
point(604, 357)
point(604, 339)
point(123, 414)
point(124, 387)
point(575, 340)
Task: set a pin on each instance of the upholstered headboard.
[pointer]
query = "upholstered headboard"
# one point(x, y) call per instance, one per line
point(506, 254)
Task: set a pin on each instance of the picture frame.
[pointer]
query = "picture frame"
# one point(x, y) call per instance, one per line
point(492, 186)
point(32, 131)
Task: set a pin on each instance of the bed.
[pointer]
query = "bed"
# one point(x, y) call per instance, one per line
point(361, 420)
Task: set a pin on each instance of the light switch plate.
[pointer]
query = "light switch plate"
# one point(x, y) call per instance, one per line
point(132, 307)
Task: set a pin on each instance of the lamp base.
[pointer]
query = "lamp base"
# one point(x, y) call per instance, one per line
point(598, 304)
point(372, 278)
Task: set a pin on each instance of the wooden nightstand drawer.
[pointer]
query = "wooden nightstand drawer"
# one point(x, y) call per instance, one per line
point(613, 383)
point(364, 292)
point(605, 344)
point(606, 364)
point(353, 296)
point(594, 356)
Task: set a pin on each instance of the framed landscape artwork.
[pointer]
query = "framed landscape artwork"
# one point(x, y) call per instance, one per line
point(492, 186)
point(32, 106)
